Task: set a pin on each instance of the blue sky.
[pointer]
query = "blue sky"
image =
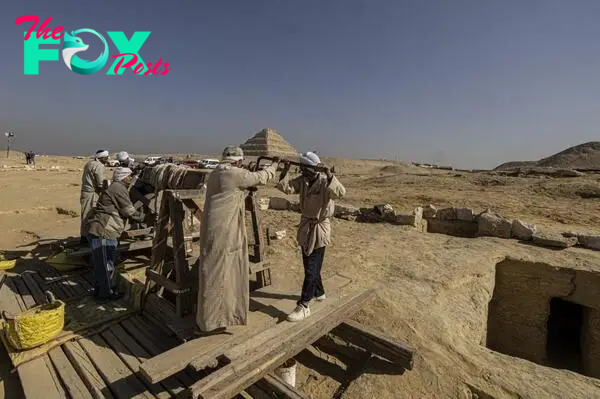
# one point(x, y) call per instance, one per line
point(465, 82)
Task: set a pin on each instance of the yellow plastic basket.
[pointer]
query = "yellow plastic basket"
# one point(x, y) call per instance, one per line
point(35, 326)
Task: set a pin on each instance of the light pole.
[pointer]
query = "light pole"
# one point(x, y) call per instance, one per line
point(9, 135)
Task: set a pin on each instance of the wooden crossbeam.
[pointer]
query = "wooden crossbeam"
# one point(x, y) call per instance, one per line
point(259, 356)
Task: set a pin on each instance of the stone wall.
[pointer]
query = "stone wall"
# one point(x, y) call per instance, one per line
point(520, 307)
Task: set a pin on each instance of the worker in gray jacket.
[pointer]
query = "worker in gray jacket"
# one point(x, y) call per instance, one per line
point(105, 226)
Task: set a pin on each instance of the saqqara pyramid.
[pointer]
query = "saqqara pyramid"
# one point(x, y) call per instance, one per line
point(268, 142)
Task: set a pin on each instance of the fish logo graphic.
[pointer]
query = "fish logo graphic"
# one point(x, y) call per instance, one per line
point(73, 44)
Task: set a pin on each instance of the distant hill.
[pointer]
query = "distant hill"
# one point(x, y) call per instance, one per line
point(582, 156)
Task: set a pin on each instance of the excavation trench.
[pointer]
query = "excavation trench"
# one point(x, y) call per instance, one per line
point(546, 314)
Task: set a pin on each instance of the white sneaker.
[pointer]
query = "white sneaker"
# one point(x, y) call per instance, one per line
point(321, 298)
point(299, 314)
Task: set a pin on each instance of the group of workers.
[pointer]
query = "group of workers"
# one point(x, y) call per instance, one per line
point(223, 264)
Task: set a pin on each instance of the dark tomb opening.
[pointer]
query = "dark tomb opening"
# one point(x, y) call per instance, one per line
point(563, 346)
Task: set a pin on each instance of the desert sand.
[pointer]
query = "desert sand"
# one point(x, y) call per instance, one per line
point(433, 290)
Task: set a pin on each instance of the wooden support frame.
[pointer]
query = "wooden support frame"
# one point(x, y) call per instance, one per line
point(170, 227)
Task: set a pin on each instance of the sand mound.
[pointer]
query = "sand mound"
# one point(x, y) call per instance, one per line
point(582, 156)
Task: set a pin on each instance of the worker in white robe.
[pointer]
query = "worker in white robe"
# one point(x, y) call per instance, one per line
point(92, 183)
point(223, 291)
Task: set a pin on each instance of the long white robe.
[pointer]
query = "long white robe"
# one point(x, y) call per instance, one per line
point(223, 289)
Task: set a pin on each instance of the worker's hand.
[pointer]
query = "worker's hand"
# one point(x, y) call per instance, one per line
point(326, 170)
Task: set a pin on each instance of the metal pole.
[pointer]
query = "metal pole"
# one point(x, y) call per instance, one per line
point(8, 147)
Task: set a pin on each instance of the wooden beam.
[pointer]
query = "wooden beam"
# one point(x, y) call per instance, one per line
point(258, 356)
point(73, 383)
point(187, 194)
point(137, 233)
point(376, 342)
point(169, 285)
point(204, 349)
point(82, 363)
point(272, 383)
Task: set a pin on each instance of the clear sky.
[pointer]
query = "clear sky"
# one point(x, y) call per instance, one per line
point(464, 82)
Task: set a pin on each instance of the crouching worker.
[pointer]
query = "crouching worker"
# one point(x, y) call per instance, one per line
point(105, 226)
point(317, 191)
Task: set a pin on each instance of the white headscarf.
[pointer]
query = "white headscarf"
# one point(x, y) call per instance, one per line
point(310, 158)
point(101, 154)
point(121, 173)
point(122, 156)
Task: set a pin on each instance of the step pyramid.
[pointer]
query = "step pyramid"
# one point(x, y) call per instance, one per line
point(268, 143)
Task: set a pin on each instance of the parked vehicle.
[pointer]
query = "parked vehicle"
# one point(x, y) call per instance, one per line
point(209, 163)
point(151, 161)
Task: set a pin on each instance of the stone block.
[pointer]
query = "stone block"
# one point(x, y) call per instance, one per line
point(280, 204)
point(446, 214)
point(522, 231)
point(429, 212)
point(490, 224)
point(457, 228)
point(343, 210)
point(553, 240)
point(464, 214)
point(263, 203)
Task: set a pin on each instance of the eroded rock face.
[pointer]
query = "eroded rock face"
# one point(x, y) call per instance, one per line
point(522, 231)
point(490, 224)
point(553, 240)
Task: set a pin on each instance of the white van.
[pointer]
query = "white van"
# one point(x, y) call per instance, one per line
point(209, 163)
point(151, 160)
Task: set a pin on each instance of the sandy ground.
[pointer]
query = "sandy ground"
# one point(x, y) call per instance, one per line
point(432, 290)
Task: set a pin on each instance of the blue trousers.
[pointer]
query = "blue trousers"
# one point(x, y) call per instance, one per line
point(312, 286)
point(103, 260)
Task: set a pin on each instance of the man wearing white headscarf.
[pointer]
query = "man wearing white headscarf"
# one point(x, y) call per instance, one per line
point(223, 264)
point(105, 225)
point(92, 183)
point(125, 160)
point(317, 191)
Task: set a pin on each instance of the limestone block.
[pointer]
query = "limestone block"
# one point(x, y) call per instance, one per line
point(522, 231)
point(464, 214)
point(280, 204)
point(429, 212)
point(446, 214)
point(553, 240)
point(490, 224)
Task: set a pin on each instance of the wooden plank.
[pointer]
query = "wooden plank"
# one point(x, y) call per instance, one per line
point(55, 377)
point(376, 342)
point(205, 349)
point(137, 233)
point(272, 383)
point(258, 356)
point(55, 289)
point(181, 267)
point(187, 194)
point(24, 291)
point(159, 345)
point(85, 368)
point(10, 300)
point(167, 284)
point(173, 385)
point(36, 292)
point(121, 381)
point(38, 382)
point(131, 361)
point(72, 382)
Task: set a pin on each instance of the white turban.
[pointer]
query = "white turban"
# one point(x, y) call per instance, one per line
point(310, 158)
point(233, 154)
point(121, 173)
point(101, 154)
point(122, 156)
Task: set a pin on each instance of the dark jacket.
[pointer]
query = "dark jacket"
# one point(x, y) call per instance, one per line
point(113, 207)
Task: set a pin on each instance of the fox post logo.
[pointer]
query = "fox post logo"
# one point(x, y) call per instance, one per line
point(128, 56)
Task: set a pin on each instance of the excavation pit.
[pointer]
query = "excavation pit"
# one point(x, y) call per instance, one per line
point(546, 314)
